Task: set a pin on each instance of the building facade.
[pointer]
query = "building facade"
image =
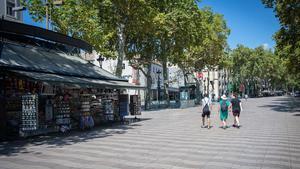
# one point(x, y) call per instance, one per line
point(11, 10)
point(191, 87)
point(224, 82)
point(215, 82)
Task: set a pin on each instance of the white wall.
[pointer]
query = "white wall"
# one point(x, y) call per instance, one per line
point(176, 78)
point(18, 16)
point(213, 75)
point(128, 73)
point(154, 75)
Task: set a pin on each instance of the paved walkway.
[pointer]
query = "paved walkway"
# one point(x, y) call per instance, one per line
point(268, 139)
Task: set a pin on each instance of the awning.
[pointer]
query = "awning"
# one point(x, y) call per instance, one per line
point(37, 59)
point(86, 82)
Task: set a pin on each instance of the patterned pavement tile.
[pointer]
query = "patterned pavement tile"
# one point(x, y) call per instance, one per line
point(172, 139)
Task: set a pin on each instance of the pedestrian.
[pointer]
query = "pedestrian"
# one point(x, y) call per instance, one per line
point(246, 97)
point(236, 110)
point(206, 109)
point(224, 106)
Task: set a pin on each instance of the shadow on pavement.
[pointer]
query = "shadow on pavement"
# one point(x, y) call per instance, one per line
point(57, 140)
point(285, 104)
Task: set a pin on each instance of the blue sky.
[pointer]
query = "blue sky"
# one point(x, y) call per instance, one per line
point(28, 20)
point(250, 22)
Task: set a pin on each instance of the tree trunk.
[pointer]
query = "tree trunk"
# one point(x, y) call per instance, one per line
point(121, 48)
point(148, 92)
point(208, 83)
point(184, 77)
point(166, 82)
point(198, 93)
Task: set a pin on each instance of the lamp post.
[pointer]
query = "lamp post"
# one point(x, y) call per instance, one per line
point(47, 5)
point(158, 87)
point(47, 14)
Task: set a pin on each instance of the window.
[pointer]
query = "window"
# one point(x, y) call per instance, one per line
point(9, 8)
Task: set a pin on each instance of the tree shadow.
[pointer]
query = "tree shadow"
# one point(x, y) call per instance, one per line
point(286, 104)
point(58, 140)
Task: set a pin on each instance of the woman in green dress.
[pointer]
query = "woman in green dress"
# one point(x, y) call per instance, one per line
point(224, 106)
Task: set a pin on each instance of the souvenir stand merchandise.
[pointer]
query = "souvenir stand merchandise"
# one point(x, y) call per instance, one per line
point(86, 120)
point(110, 105)
point(96, 110)
point(116, 110)
point(113, 95)
point(108, 110)
point(75, 106)
point(12, 105)
point(46, 110)
point(135, 105)
point(62, 113)
point(29, 116)
point(123, 101)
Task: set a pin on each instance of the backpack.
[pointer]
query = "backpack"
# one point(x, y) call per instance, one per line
point(206, 108)
point(224, 106)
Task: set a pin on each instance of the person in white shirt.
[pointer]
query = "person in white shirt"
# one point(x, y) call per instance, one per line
point(206, 110)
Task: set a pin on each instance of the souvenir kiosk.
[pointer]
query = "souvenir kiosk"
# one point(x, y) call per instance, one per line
point(47, 87)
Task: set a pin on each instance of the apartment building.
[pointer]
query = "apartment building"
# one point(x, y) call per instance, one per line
point(11, 10)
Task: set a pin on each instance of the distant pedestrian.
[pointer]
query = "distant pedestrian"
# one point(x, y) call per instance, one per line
point(206, 110)
point(223, 110)
point(246, 97)
point(236, 110)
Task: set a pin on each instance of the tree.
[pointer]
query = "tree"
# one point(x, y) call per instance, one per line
point(71, 19)
point(103, 23)
point(143, 32)
point(174, 33)
point(288, 37)
point(124, 17)
point(204, 46)
point(173, 21)
point(257, 68)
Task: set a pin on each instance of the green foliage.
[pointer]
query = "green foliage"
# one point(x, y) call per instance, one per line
point(288, 37)
point(143, 31)
point(177, 31)
point(202, 42)
point(259, 67)
point(77, 18)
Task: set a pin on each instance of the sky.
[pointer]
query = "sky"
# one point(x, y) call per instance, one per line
point(251, 24)
point(27, 19)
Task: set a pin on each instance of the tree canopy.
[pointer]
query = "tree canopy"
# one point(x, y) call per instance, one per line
point(142, 31)
point(175, 31)
point(258, 68)
point(288, 37)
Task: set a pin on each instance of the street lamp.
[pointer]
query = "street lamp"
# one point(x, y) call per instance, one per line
point(47, 5)
point(158, 87)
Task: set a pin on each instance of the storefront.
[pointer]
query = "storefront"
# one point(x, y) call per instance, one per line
point(187, 96)
point(174, 96)
point(45, 87)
